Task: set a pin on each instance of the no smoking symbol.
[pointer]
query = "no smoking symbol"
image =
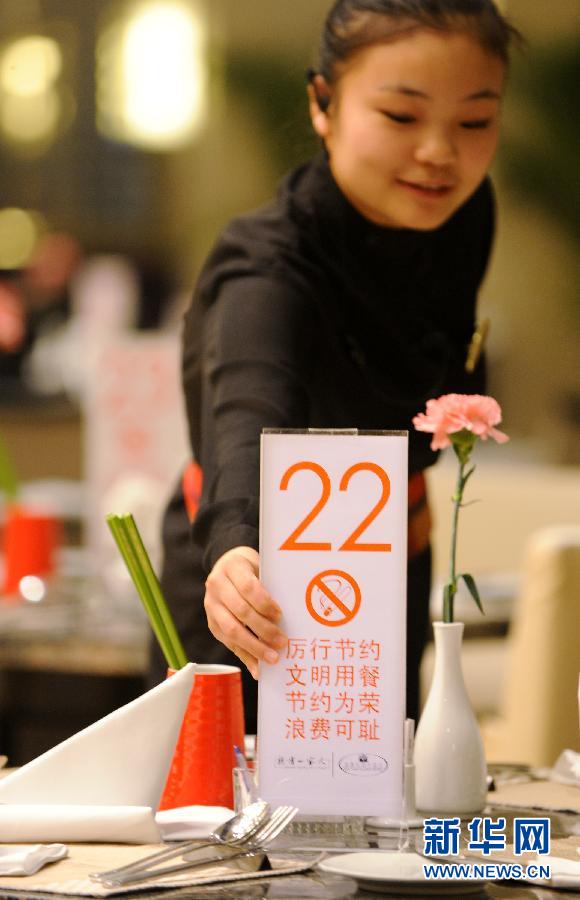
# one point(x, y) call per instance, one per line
point(333, 598)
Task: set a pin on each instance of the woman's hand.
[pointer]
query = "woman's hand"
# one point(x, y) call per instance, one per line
point(240, 611)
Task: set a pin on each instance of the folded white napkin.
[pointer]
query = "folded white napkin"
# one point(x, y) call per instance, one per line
point(185, 823)
point(567, 768)
point(565, 872)
point(116, 769)
point(111, 824)
point(29, 858)
point(121, 760)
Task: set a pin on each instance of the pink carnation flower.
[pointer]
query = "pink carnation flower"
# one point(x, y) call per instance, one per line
point(457, 412)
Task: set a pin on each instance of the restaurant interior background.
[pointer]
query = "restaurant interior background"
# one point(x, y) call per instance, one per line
point(130, 132)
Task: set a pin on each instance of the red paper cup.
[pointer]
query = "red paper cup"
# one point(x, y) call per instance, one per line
point(30, 543)
point(201, 770)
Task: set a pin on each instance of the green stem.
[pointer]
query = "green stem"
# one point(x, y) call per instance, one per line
point(155, 591)
point(457, 498)
point(127, 550)
point(8, 477)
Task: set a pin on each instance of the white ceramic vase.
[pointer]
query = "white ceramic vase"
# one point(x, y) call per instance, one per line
point(450, 767)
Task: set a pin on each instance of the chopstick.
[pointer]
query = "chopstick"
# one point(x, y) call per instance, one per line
point(132, 549)
point(8, 477)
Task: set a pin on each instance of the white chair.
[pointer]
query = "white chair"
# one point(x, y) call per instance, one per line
point(539, 709)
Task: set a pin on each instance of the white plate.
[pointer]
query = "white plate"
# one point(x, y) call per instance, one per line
point(399, 873)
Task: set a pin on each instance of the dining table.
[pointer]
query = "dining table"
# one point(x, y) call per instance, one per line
point(517, 791)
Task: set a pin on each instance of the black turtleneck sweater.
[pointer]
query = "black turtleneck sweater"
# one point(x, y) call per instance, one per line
point(306, 315)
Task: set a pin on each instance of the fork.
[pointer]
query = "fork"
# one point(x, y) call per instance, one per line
point(280, 818)
point(180, 848)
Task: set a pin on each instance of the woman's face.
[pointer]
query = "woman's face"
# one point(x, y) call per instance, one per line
point(412, 127)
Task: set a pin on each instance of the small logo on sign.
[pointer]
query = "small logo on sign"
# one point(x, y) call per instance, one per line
point(363, 764)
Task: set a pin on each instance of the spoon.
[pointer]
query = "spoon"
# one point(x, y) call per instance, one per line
point(233, 831)
point(241, 826)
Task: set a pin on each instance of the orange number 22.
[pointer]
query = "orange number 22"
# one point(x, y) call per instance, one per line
point(291, 543)
point(352, 542)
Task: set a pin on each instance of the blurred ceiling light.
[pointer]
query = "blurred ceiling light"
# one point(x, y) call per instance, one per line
point(30, 66)
point(30, 119)
point(18, 236)
point(151, 75)
point(30, 95)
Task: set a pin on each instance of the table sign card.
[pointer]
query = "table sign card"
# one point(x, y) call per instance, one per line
point(135, 436)
point(333, 553)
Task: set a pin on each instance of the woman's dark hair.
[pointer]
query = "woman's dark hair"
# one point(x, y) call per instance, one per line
point(354, 24)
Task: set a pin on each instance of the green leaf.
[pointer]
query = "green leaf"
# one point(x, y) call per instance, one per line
point(8, 478)
point(472, 588)
point(468, 475)
point(448, 594)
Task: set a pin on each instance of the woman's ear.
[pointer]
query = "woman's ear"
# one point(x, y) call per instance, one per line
point(319, 102)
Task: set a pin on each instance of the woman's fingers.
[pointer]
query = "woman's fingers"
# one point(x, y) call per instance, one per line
point(242, 571)
point(250, 662)
point(242, 606)
point(240, 612)
point(240, 640)
point(229, 629)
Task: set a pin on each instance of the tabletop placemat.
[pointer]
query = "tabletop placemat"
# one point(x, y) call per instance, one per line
point(71, 876)
point(545, 795)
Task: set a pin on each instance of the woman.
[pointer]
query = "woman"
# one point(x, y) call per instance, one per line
point(346, 302)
